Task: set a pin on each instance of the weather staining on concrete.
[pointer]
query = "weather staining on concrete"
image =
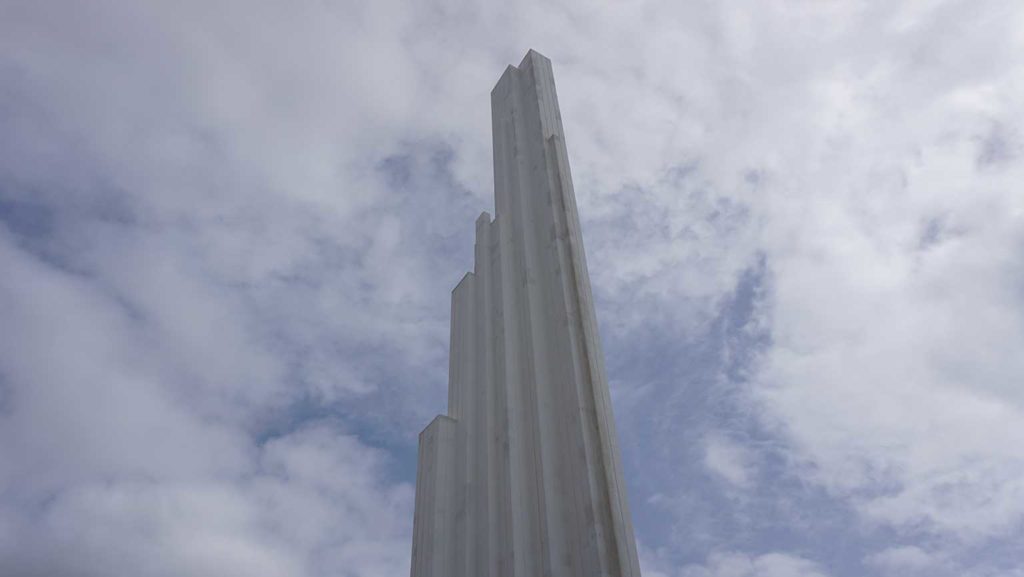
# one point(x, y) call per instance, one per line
point(523, 476)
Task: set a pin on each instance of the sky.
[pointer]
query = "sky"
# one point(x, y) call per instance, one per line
point(229, 230)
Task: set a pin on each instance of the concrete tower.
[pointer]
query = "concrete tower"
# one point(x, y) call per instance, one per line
point(522, 477)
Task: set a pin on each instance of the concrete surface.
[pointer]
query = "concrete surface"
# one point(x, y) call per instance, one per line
point(523, 478)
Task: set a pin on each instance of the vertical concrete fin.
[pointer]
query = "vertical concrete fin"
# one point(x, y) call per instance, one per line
point(479, 424)
point(433, 522)
point(545, 380)
point(500, 460)
point(526, 541)
point(462, 350)
point(607, 461)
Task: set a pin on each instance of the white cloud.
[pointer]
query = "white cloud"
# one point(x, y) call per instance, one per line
point(903, 560)
point(736, 564)
point(730, 460)
point(313, 506)
point(109, 461)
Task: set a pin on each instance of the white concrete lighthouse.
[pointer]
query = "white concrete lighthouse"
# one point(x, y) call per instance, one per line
point(522, 477)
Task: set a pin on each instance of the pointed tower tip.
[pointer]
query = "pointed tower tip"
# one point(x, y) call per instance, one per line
point(465, 278)
point(531, 54)
point(510, 70)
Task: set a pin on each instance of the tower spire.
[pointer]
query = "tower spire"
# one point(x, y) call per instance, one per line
point(523, 478)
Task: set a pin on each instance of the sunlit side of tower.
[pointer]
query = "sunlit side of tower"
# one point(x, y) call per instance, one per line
point(522, 477)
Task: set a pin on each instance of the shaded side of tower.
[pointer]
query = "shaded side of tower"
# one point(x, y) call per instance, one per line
point(523, 478)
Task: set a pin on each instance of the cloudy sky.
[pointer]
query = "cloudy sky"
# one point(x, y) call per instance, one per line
point(229, 229)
